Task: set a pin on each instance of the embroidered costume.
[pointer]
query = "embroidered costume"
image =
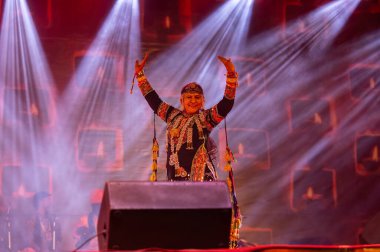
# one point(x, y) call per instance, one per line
point(189, 147)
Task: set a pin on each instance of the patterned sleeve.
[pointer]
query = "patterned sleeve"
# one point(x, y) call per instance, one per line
point(165, 111)
point(219, 111)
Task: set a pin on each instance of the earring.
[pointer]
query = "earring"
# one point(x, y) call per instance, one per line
point(181, 106)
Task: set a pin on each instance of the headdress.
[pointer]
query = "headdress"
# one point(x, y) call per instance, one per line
point(192, 87)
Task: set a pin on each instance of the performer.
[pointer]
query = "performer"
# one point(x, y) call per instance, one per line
point(189, 147)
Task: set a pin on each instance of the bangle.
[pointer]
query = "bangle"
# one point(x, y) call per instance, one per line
point(141, 79)
point(232, 74)
point(232, 85)
point(141, 82)
point(231, 80)
point(140, 74)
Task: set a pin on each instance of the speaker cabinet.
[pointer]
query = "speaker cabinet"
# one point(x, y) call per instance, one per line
point(170, 215)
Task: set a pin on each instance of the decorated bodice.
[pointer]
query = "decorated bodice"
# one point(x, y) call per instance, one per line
point(187, 137)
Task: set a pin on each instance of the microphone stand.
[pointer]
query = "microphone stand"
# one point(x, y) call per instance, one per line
point(9, 230)
point(54, 234)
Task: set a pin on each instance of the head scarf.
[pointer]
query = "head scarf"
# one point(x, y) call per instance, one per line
point(192, 88)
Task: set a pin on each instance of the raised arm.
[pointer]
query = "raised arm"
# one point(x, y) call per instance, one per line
point(219, 111)
point(146, 89)
point(226, 104)
point(159, 107)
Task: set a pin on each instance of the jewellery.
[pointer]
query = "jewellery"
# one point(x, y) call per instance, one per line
point(140, 74)
point(230, 92)
point(231, 80)
point(141, 77)
point(180, 130)
point(180, 172)
point(232, 74)
point(232, 85)
point(145, 87)
point(199, 126)
point(192, 88)
point(189, 138)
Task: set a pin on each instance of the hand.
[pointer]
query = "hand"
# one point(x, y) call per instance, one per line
point(227, 63)
point(139, 66)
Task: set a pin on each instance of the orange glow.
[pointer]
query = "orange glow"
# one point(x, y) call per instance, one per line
point(100, 151)
point(167, 22)
point(21, 192)
point(375, 153)
point(34, 110)
point(83, 220)
point(311, 195)
point(96, 196)
point(241, 148)
point(372, 83)
point(317, 118)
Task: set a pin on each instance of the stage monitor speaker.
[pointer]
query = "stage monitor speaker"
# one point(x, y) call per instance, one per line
point(169, 215)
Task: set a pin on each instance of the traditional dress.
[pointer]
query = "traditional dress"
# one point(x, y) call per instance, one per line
point(189, 147)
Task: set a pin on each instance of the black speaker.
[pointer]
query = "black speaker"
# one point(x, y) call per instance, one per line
point(169, 215)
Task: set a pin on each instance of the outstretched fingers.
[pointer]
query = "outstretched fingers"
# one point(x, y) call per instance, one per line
point(139, 66)
point(222, 59)
point(227, 63)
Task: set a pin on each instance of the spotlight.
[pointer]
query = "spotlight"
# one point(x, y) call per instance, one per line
point(106, 70)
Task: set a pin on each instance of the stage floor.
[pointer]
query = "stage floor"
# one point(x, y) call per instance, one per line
point(276, 248)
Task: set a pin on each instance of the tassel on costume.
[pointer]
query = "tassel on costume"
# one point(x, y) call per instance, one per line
point(235, 227)
point(236, 217)
point(155, 154)
point(229, 157)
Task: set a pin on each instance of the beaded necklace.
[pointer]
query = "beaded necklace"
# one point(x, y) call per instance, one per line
point(185, 125)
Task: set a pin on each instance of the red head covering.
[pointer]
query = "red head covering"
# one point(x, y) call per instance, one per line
point(192, 87)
